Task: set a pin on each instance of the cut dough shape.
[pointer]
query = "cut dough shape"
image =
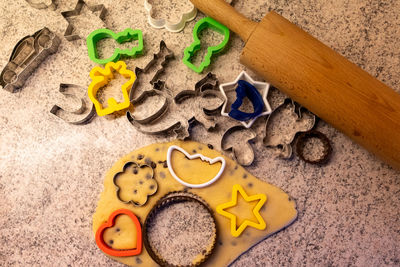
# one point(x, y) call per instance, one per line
point(278, 211)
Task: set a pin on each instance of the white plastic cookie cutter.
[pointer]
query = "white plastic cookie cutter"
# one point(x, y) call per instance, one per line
point(262, 87)
point(170, 26)
point(195, 156)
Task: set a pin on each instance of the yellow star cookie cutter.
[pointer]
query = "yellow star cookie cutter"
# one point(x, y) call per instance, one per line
point(101, 77)
point(260, 224)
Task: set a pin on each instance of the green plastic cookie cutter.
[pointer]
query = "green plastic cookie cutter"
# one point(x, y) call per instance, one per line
point(196, 45)
point(125, 36)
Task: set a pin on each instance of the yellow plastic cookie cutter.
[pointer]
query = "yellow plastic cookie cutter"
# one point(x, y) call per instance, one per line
point(260, 224)
point(101, 77)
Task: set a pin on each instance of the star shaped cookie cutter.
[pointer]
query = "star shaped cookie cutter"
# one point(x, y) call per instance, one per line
point(76, 12)
point(170, 26)
point(261, 86)
point(101, 77)
point(260, 225)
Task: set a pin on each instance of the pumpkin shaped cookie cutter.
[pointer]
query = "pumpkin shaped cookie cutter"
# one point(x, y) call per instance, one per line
point(127, 35)
point(136, 166)
point(101, 77)
point(110, 223)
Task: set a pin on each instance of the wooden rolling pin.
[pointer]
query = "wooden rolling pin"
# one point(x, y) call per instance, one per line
point(318, 78)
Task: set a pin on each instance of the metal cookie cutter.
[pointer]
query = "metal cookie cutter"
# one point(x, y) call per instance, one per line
point(76, 12)
point(165, 202)
point(81, 115)
point(170, 26)
point(125, 36)
point(228, 88)
point(237, 141)
point(41, 4)
point(27, 55)
point(283, 125)
point(326, 147)
point(201, 104)
point(156, 66)
point(137, 183)
point(196, 45)
point(175, 114)
point(101, 77)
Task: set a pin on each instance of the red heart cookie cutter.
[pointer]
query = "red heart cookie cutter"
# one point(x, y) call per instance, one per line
point(110, 223)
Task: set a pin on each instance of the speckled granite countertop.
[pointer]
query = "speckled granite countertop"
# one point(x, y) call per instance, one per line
point(51, 173)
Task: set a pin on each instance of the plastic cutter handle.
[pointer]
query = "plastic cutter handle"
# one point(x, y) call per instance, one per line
point(227, 15)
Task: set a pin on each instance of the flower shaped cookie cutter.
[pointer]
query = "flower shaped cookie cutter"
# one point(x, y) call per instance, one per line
point(101, 77)
point(190, 157)
point(170, 26)
point(122, 37)
point(141, 183)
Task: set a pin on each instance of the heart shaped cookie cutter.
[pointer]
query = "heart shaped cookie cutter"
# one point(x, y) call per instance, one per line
point(110, 223)
point(190, 157)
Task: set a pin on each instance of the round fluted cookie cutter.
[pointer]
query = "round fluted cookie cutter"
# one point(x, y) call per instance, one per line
point(166, 201)
point(304, 137)
point(170, 26)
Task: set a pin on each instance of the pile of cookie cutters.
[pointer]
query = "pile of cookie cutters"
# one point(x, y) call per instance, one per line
point(223, 110)
point(232, 112)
